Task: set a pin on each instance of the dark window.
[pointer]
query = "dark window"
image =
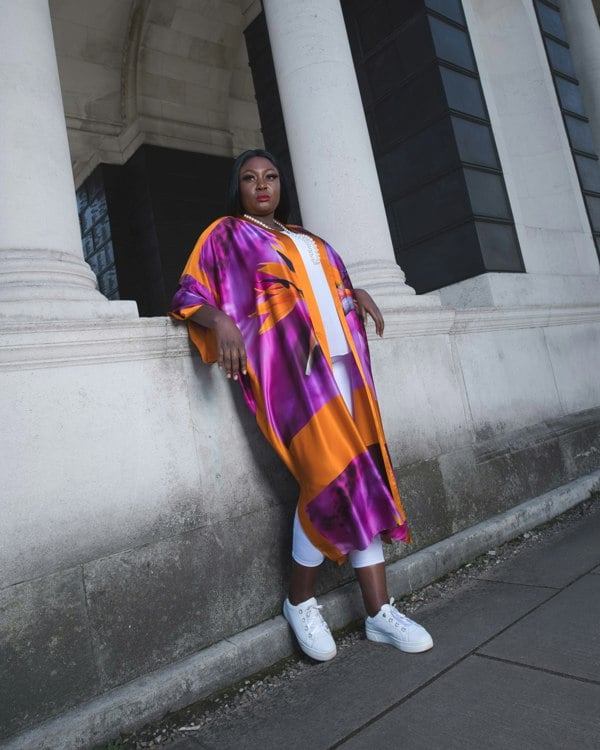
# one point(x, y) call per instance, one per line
point(475, 143)
point(428, 122)
point(386, 59)
point(572, 107)
point(560, 57)
point(379, 18)
point(140, 220)
point(580, 134)
point(499, 245)
point(569, 95)
point(593, 206)
point(589, 173)
point(96, 233)
point(463, 93)
point(389, 66)
point(487, 193)
point(449, 8)
point(445, 258)
point(395, 119)
point(432, 207)
point(550, 20)
point(418, 159)
point(451, 44)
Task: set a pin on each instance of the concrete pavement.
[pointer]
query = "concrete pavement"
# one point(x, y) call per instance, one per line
point(516, 664)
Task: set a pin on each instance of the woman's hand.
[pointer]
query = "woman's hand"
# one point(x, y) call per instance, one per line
point(366, 305)
point(231, 351)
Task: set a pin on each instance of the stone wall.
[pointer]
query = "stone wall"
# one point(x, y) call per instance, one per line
point(145, 518)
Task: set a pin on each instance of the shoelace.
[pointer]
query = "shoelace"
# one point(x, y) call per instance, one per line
point(400, 620)
point(314, 620)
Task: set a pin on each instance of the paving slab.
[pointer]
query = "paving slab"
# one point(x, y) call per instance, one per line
point(596, 571)
point(555, 564)
point(319, 707)
point(562, 635)
point(483, 703)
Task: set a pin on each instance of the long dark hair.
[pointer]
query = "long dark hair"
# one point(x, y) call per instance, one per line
point(234, 205)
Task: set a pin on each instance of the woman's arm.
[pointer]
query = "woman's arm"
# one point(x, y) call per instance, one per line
point(231, 351)
point(366, 305)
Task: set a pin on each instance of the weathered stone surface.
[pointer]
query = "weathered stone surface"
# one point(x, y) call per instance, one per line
point(579, 440)
point(575, 355)
point(424, 497)
point(527, 467)
point(46, 657)
point(499, 472)
point(155, 604)
point(422, 406)
point(503, 394)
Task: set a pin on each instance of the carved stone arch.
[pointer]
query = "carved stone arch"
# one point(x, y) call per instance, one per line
point(131, 50)
point(171, 73)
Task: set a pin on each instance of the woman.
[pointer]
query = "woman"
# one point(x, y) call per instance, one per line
point(274, 307)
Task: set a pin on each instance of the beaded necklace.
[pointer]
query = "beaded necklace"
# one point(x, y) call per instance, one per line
point(305, 239)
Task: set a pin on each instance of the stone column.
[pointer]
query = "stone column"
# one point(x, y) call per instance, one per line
point(583, 32)
point(42, 271)
point(330, 149)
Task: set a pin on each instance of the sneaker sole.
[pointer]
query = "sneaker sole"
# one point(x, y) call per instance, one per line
point(316, 655)
point(409, 648)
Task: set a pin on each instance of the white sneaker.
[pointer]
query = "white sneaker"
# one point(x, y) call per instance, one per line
point(311, 630)
point(391, 626)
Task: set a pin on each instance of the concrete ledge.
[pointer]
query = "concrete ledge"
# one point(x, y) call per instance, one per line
point(124, 337)
point(215, 668)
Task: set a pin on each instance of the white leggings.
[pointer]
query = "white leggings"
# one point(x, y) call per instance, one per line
point(304, 551)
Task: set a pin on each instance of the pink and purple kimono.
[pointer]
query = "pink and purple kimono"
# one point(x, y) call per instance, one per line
point(348, 493)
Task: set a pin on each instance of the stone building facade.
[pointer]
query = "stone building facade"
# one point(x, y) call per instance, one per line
point(447, 148)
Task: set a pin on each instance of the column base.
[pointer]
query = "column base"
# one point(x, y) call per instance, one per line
point(53, 285)
point(386, 283)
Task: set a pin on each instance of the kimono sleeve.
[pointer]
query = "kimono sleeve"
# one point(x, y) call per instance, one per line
point(197, 287)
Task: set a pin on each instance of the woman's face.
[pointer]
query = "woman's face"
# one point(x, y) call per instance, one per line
point(259, 187)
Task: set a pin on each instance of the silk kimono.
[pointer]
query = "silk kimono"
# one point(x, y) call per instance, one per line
point(348, 493)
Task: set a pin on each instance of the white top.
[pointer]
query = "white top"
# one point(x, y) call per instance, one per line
point(338, 346)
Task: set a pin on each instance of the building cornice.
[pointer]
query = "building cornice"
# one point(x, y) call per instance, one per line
point(26, 346)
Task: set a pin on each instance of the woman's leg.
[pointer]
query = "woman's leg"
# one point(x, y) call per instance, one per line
point(302, 583)
point(373, 587)
point(300, 609)
point(306, 560)
point(369, 569)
